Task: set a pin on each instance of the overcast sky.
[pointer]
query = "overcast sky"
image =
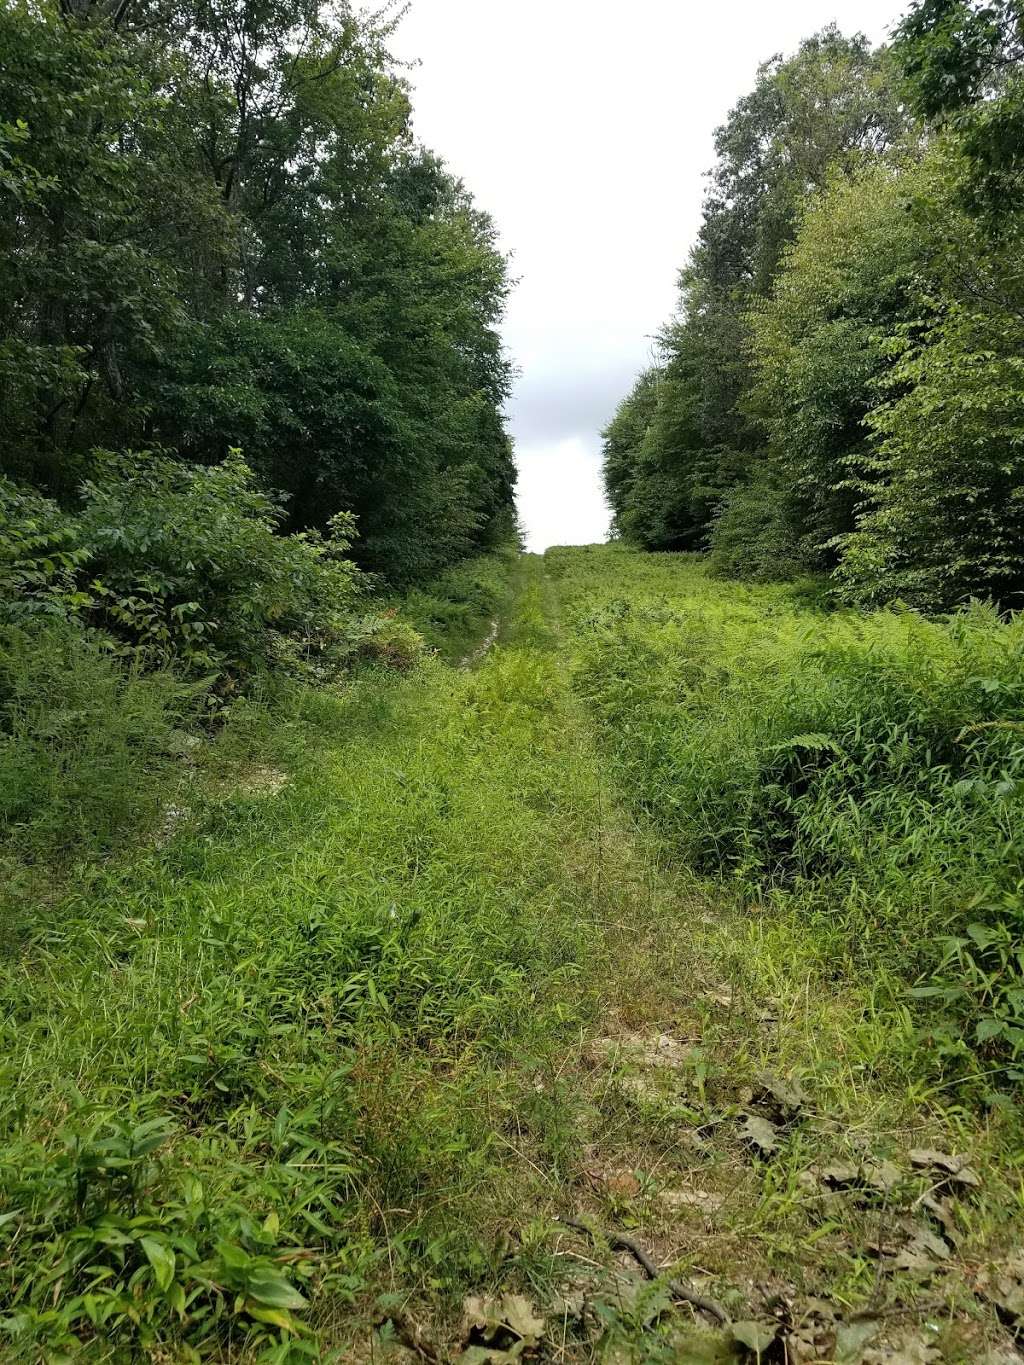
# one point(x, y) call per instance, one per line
point(584, 128)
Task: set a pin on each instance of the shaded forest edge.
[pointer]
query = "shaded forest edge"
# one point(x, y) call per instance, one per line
point(251, 380)
point(840, 390)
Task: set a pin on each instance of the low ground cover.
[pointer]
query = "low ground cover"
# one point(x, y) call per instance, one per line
point(419, 1010)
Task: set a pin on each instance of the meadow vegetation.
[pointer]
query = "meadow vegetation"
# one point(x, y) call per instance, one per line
point(857, 776)
point(420, 964)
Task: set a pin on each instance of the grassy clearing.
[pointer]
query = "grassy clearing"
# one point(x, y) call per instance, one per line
point(805, 772)
point(282, 1063)
point(862, 771)
point(412, 974)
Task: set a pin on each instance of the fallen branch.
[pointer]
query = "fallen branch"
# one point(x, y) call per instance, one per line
point(618, 1241)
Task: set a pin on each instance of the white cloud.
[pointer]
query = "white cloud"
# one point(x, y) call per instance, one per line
point(561, 500)
point(585, 128)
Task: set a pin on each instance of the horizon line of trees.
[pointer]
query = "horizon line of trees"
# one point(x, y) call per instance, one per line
point(842, 388)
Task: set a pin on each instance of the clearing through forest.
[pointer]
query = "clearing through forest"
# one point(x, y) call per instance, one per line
point(436, 1050)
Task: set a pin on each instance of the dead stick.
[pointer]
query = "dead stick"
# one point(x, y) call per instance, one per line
point(618, 1241)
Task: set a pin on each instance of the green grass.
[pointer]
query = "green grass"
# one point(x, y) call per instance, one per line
point(325, 996)
point(864, 773)
point(418, 964)
point(455, 612)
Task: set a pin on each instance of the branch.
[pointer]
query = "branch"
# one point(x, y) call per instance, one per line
point(618, 1241)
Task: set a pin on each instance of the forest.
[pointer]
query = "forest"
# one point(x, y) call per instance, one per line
point(413, 949)
point(839, 393)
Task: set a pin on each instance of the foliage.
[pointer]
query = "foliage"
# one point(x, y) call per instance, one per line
point(165, 593)
point(454, 611)
point(671, 462)
point(38, 556)
point(185, 566)
point(825, 338)
point(866, 772)
point(757, 533)
point(841, 389)
point(946, 521)
point(217, 231)
point(962, 63)
point(85, 741)
point(182, 566)
point(823, 109)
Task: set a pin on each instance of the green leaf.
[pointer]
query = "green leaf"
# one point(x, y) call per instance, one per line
point(161, 1258)
point(810, 741)
point(276, 1317)
point(274, 1291)
point(756, 1336)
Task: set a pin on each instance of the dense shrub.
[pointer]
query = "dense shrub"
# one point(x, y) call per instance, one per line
point(867, 771)
point(756, 533)
point(166, 591)
point(185, 565)
point(182, 565)
point(946, 519)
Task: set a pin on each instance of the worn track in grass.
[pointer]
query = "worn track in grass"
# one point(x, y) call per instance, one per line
point(407, 1013)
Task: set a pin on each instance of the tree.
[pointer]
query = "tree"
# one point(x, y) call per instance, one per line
point(945, 519)
point(814, 115)
point(92, 276)
point(963, 64)
point(851, 281)
point(221, 234)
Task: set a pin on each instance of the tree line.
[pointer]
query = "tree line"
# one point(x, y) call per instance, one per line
point(842, 387)
point(217, 232)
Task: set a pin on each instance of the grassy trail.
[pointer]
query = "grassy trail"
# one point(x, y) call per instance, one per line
point(326, 1027)
point(407, 985)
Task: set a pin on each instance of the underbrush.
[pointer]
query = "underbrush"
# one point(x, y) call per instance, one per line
point(131, 622)
point(85, 740)
point(268, 1074)
point(453, 611)
point(862, 774)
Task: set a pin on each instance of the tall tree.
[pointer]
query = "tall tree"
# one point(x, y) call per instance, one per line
point(963, 63)
point(816, 114)
point(222, 234)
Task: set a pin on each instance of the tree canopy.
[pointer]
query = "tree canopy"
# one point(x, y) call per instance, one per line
point(217, 230)
point(840, 389)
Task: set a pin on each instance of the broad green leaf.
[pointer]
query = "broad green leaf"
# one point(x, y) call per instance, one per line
point(161, 1258)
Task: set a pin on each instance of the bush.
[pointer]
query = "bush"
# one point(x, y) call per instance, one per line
point(167, 588)
point(946, 520)
point(38, 555)
point(83, 739)
point(866, 772)
point(182, 565)
point(185, 565)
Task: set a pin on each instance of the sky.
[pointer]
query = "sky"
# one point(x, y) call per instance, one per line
point(585, 128)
